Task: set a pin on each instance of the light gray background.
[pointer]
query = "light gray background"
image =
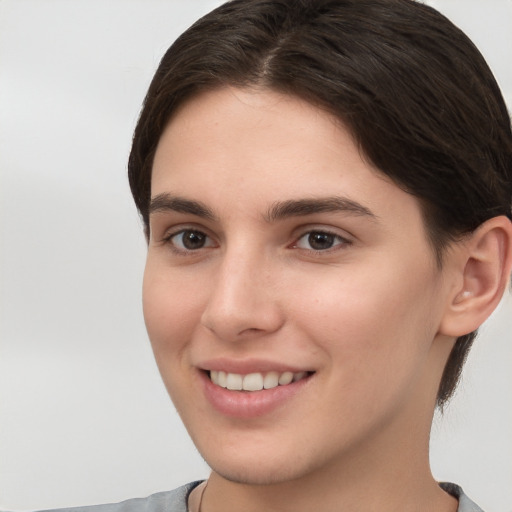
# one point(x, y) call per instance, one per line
point(84, 418)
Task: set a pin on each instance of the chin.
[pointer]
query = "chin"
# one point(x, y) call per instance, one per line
point(259, 466)
point(255, 473)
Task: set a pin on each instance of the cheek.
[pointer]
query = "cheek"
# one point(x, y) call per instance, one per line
point(171, 311)
point(377, 341)
point(371, 320)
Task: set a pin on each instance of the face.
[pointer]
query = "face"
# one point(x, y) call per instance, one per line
point(290, 293)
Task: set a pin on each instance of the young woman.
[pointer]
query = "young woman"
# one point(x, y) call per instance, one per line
point(326, 189)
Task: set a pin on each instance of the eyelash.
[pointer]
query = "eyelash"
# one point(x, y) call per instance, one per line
point(337, 239)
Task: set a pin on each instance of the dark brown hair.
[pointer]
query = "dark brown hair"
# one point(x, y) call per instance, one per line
point(413, 90)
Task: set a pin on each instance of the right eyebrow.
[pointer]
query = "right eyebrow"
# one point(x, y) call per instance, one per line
point(168, 203)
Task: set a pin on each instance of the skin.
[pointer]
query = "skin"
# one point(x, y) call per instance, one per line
point(364, 315)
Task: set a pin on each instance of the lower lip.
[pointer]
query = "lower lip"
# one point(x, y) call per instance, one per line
point(250, 404)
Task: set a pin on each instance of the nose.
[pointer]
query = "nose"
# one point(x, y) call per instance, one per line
point(243, 299)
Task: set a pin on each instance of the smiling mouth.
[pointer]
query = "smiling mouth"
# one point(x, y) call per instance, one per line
point(255, 381)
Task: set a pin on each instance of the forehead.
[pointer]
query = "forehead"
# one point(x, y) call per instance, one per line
point(262, 146)
point(210, 120)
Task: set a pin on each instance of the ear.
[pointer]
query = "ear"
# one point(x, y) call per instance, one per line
point(482, 273)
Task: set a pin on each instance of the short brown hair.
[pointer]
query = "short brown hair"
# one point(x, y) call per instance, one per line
point(413, 90)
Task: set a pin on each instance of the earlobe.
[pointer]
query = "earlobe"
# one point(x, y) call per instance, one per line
point(484, 267)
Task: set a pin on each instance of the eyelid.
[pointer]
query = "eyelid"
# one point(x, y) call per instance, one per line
point(162, 221)
point(168, 231)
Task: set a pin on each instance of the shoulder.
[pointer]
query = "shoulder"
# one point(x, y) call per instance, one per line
point(465, 504)
point(168, 501)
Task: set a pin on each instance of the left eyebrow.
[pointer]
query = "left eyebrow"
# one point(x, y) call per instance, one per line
point(302, 207)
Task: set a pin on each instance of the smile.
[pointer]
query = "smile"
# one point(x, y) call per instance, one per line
point(254, 381)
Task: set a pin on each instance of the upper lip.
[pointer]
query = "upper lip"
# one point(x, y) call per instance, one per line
point(246, 366)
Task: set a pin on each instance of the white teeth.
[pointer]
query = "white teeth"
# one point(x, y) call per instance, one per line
point(254, 381)
point(223, 379)
point(285, 378)
point(234, 381)
point(271, 380)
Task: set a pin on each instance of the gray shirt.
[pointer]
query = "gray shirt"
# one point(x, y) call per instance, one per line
point(176, 501)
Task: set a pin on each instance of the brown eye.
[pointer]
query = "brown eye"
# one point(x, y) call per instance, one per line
point(319, 241)
point(190, 240)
